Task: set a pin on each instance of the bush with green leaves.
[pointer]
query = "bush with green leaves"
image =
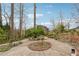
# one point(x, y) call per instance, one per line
point(56, 31)
point(53, 34)
point(6, 27)
point(60, 28)
point(3, 36)
point(34, 32)
point(46, 30)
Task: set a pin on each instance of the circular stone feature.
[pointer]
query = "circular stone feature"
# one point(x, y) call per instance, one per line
point(39, 46)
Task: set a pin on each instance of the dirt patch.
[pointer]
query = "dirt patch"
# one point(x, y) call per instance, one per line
point(39, 46)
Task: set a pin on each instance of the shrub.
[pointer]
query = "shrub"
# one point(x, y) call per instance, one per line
point(53, 34)
point(56, 31)
point(1, 31)
point(46, 30)
point(3, 36)
point(6, 27)
point(34, 32)
point(60, 28)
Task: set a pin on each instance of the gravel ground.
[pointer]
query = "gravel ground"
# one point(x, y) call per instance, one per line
point(58, 49)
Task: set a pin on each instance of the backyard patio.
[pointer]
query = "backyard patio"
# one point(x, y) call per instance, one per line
point(57, 49)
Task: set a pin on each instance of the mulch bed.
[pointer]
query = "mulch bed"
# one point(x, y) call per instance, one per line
point(39, 46)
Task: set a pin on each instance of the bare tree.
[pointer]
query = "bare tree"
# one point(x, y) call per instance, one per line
point(77, 7)
point(53, 23)
point(68, 24)
point(61, 16)
point(0, 15)
point(11, 21)
point(34, 15)
point(21, 18)
point(75, 14)
point(6, 16)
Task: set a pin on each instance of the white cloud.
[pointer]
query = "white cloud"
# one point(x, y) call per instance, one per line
point(50, 25)
point(45, 23)
point(31, 16)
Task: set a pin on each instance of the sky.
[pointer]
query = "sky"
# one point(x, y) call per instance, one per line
point(45, 14)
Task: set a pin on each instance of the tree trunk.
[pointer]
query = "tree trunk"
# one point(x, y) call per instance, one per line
point(0, 16)
point(21, 19)
point(34, 15)
point(11, 21)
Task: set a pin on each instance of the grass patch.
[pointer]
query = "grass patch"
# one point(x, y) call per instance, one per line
point(5, 48)
point(9, 46)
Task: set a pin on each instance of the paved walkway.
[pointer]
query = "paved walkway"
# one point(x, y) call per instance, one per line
point(57, 49)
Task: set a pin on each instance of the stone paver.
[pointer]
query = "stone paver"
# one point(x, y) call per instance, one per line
point(58, 49)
